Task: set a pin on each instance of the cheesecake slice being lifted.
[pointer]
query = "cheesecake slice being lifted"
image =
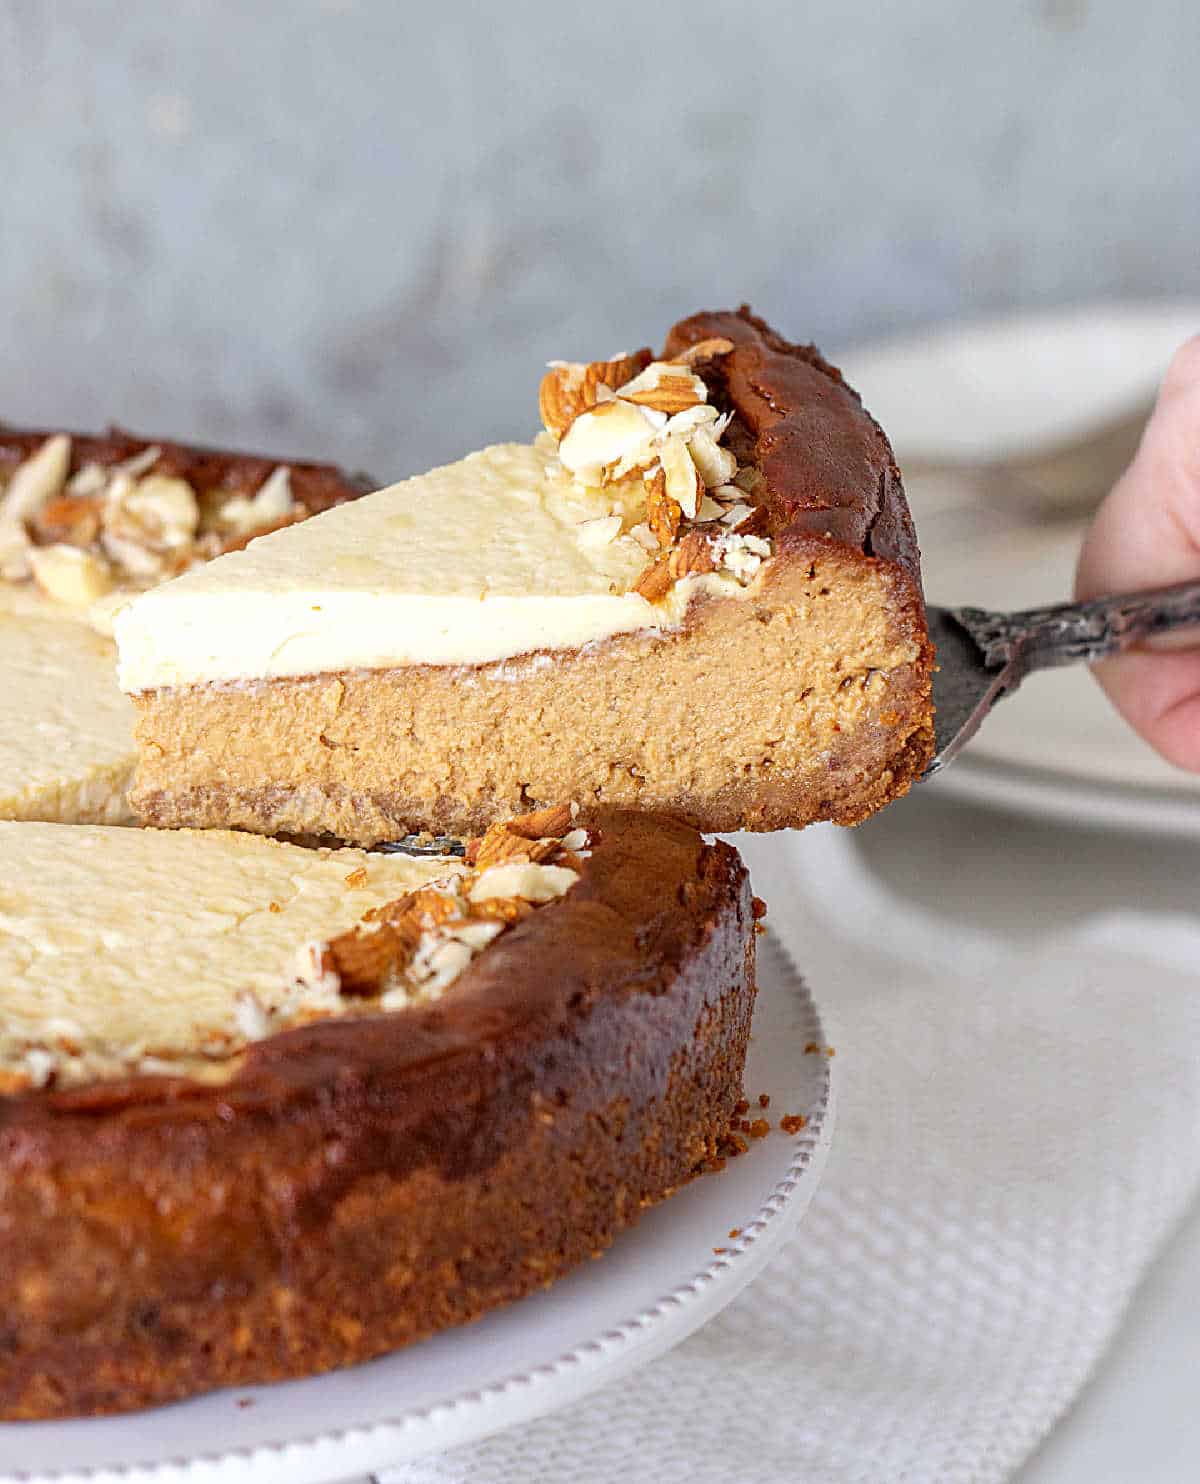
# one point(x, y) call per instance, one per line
point(697, 592)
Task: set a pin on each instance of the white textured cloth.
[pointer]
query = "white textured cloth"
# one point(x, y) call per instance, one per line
point(1018, 1132)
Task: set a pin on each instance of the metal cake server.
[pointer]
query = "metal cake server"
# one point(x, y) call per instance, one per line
point(984, 656)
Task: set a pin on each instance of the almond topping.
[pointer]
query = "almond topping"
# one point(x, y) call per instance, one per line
point(572, 387)
point(504, 910)
point(684, 424)
point(73, 519)
point(693, 555)
point(38, 479)
point(605, 436)
point(271, 505)
point(754, 523)
point(500, 845)
point(701, 510)
point(716, 464)
point(662, 513)
point(664, 387)
point(735, 514)
point(69, 575)
point(534, 883)
point(743, 555)
point(363, 962)
point(366, 960)
point(655, 582)
point(555, 820)
point(159, 511)
point(683, 482)
point(417, 945)
point(703, 350)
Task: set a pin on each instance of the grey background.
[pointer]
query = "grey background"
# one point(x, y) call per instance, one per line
point(356, 229)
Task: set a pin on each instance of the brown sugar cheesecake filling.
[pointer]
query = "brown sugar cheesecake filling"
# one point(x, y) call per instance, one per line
point(267, 1110)
point(86, 523)
point(696, 592)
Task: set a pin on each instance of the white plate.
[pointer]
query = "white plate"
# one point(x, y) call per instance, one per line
point(1056, 747)
point(653, 1288)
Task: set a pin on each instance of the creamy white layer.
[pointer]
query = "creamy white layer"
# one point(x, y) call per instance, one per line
point(131, 950)
point(498, 555)
point(66, 731)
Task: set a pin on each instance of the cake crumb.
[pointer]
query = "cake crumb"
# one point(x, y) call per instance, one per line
point(245, 1401)
point(764, 1100)
point(720, 1250)
point(831, 1051)
point(735, 1231)
point(274, 907)
point(759, 908)
point(811, 1049)
point(792, 1123)
point(759, 1129)
point(742, 1106)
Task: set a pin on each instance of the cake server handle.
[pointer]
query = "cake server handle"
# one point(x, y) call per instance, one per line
point(1070, 633)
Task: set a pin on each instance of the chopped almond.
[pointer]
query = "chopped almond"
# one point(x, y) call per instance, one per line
point(703, 350)
point(70, 519)
point(662, 513)
point(556, 820)
point(664, 387)
point(656, 581)
point(570, 388)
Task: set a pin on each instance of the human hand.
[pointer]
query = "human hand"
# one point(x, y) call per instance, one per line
point(1146, 535)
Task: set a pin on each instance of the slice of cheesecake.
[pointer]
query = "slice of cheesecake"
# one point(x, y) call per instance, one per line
point(697, 592)
point(86, 523)
point(267, 1110)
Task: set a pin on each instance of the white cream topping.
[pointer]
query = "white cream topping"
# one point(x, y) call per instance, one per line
point(66, 738)
point(165, 950)
point(496, 556)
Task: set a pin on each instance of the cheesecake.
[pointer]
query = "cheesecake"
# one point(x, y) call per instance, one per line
point(66, 733)
point(696, 592)
point(267, 1110)
point(85, 524)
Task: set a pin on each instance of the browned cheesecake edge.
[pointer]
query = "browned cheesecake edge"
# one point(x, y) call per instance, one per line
point(317, 486)
point(362, 1184)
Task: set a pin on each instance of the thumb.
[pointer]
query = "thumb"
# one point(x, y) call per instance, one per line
point(1147, 534)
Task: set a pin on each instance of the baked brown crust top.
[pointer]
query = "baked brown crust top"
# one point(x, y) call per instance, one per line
point(649, 895)
point(828, 466)
point(315, 486)
point(363, 1183)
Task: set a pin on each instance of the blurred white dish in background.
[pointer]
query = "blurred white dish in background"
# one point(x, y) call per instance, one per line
point(999, 387)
